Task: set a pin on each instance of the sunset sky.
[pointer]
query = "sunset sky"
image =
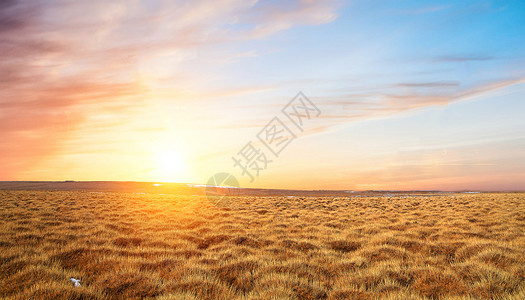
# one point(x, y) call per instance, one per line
point(411, 94)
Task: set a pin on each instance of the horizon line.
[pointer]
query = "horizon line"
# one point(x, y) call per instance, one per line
point(260, 188)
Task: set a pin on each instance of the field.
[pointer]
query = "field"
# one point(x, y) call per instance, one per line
point(132, 245)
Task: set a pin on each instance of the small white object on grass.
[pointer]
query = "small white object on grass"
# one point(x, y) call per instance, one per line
point(76, 282)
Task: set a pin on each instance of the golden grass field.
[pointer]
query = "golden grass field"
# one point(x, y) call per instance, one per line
point(130, 245)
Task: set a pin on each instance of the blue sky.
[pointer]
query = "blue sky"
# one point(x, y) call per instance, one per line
point(413, 94)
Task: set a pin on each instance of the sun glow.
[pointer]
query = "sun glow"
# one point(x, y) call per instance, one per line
point(171, 165)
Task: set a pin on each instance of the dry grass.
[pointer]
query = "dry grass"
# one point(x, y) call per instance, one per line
point(129, 246)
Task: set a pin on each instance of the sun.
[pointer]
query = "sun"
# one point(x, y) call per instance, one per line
point(170, 165)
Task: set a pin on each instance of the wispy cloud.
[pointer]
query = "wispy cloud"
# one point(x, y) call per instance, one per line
point(463, 58)
point(338, 110)
point(421, 10)
point(436, 84)
point(274, 17)
point(486, 88)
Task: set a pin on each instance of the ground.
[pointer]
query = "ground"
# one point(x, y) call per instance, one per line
point(133, 245)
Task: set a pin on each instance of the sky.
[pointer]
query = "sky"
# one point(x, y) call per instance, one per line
point(395, 95)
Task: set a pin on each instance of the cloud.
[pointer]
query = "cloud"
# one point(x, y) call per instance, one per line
point(14, 15)
point(436, 84)
point(421, 10)
point(486, 88)
point(463, 58)
point(35, 123)
point(338, 110)
point(272, 17)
